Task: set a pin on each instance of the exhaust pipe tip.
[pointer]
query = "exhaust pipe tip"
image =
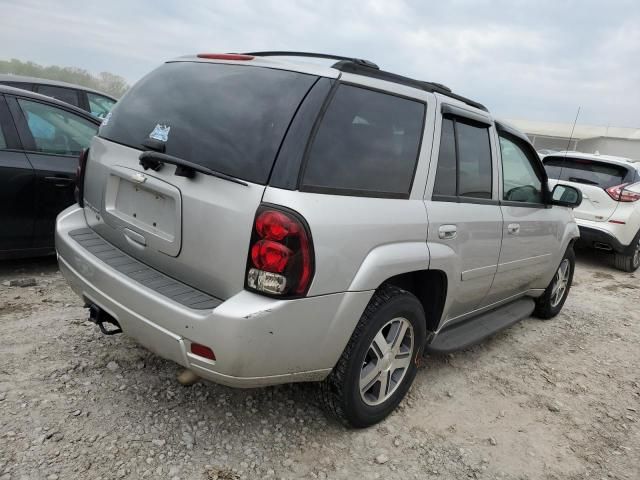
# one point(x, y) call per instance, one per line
point(602, 246)
point(186, 377)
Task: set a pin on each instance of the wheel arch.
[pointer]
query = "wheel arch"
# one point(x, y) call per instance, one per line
point(429, 287)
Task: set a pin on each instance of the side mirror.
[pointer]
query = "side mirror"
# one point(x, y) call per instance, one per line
point(566, 196)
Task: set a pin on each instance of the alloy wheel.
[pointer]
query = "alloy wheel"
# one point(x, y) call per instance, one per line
point(560, 283)
point(387, 361)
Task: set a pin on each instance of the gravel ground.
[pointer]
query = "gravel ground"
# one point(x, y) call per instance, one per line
point(555, 400)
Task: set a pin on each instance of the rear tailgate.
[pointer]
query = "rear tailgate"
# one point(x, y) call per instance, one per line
point(592, 178)
point(227, 118)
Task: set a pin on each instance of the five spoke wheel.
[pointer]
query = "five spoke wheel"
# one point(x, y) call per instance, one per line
point(560, 283)
point(387, 361)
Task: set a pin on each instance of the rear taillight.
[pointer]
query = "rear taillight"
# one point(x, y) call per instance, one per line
point(280, 259)
point(619, 194)
point(80, 169)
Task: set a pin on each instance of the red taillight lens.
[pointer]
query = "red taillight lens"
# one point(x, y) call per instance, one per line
point(202, 351)
point(225, 56)
point(281, 253)
point(78, 192)
point(270, 256)
point(274, 225)
point(619, 194)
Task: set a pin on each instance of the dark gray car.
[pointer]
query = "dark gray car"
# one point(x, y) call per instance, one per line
point(40, 140)
point(97, 103)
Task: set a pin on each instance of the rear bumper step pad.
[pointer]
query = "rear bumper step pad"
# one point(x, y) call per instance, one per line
point(143, 274)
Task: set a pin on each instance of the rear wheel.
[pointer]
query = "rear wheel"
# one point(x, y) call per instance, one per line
point(631, 261)
point(378, 364)
point(553, 298)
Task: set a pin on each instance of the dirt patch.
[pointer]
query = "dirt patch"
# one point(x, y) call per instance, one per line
point(552, 400)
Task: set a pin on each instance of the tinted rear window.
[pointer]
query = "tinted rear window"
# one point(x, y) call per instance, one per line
point(367, 144)
point(22, 85)
point(585, 171)
point(67, 95)
point(228, 118)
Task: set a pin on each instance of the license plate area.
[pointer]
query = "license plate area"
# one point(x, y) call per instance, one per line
point(148, 207)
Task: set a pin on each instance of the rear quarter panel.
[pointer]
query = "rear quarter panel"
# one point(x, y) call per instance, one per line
point(358, 242)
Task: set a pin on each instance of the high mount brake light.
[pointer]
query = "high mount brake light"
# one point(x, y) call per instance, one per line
point(225, 56)
point(280, 260)
point(78, 192)
point(619, 194)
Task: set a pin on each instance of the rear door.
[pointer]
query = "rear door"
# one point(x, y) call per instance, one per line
point(53, 139)
point(592, 178)
point(532, 232)
point(229, 118)
point(17, 187)
point(464, 214)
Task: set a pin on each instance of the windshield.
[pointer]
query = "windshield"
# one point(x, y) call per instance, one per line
point(228, 118)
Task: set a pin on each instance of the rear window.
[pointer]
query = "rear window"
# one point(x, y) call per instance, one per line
point(228, 118)
point(67, 95)
point(367, 144)
point(585, 171)
point(22, 85)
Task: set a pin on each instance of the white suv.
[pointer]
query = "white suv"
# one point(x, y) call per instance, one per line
point(609, 216)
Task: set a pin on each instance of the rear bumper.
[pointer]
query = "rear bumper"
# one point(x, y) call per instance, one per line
point(257, 340)
point(618, 236)
point(595, 237)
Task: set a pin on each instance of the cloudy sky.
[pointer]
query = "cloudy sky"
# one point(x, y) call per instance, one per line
point(536, 60)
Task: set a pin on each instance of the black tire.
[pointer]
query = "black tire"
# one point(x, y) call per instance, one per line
point(631, 261)
point(545, 309)
point(340, 391)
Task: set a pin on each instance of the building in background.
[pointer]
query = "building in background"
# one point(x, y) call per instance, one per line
point(618, 141)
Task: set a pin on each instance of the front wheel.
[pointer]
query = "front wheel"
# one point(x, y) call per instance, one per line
point(378, 364)
point(553, 298)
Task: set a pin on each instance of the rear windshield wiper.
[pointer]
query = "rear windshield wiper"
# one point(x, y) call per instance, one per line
point(184, 168)
point(583, 180)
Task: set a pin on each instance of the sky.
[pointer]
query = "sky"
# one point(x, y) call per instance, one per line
point(535, 60)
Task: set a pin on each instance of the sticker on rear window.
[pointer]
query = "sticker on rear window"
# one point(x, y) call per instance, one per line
point(160, 133)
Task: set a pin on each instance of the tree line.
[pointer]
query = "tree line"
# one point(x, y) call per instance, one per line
point(105, 82)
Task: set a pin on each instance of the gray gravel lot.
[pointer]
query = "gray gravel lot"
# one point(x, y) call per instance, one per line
point(557, 400)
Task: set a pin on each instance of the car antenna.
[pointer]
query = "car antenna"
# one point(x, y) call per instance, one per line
point(566, 150)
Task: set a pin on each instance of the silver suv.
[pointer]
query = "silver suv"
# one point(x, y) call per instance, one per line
point(261, 221)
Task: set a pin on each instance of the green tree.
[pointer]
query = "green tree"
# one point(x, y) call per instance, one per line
point(106, 82)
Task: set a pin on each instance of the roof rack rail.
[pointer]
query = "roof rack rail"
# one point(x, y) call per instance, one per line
point(348, 66)
point(283, 53)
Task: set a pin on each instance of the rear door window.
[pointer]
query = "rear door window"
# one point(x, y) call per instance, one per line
point(446, 174)
point(56, 131)
point(474, 161)
point(229, 118)
point(367, 144)
point(464, 161)
point(585, 171)
point(67, 95)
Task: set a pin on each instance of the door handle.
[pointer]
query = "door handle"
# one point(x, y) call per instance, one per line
point(59, 181)
point(513, 228)
point(447, 232)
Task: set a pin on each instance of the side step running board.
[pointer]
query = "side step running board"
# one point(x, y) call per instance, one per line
point(476, 329)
